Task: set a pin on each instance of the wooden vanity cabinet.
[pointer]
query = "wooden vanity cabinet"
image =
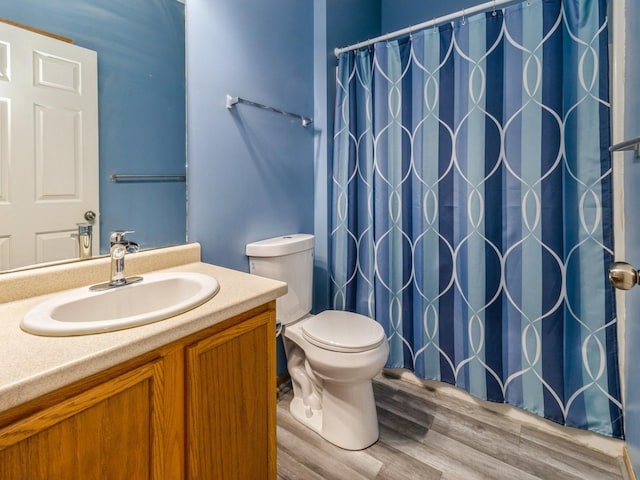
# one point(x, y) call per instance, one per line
point(229, 431)
point(106, 432)
point(200, 408)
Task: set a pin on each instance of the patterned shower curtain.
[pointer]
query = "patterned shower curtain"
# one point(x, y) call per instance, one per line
point(472, 210)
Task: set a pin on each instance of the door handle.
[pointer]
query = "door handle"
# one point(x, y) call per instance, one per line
point(623, 276)
point(90, 216)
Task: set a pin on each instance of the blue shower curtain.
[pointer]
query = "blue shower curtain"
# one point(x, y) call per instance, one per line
point(472, 210)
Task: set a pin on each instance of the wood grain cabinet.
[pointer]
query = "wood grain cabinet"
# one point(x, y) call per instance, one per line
point(228, 413)
point(200, 408)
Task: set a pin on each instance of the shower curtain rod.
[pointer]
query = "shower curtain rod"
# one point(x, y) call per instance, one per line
point(436, 21)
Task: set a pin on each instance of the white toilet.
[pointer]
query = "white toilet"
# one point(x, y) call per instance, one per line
point(331, 357)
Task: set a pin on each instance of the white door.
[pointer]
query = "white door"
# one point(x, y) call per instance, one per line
point(48, 146)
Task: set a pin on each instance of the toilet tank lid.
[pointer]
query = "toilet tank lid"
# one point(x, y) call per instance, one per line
point(284, 245)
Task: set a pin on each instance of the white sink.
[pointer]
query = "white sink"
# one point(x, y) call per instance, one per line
point(82, 311)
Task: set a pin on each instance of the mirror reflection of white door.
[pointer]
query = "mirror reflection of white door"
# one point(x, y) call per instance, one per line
point(48, 146)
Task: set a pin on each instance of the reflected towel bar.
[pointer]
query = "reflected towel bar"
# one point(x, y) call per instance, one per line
point(627, 145)
point(231, 101)
point(119, 177)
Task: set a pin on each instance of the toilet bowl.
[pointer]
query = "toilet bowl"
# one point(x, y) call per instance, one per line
point(333, 394)
point(331, 357)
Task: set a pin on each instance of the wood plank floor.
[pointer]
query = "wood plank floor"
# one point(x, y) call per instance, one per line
point(423, 436)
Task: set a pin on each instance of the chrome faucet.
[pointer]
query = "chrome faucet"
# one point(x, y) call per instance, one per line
point(118, 251)
point(119, 248)
point(84, 237)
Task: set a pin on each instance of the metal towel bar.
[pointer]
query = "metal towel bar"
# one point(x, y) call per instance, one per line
point(118, 177)
point(231, 101)
point(627, 145)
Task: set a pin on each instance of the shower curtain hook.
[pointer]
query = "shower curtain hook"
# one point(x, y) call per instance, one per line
point(435, 30)
point(464, 22)
point(494, 13)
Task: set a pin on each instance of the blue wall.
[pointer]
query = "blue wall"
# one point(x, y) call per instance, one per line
point(250, 171)
point(141, 96)
point(253, 174)
point(399, 14)
point(632, 233)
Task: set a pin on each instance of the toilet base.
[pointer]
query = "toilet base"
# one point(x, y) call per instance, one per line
point(308, 416)
point(348, 416)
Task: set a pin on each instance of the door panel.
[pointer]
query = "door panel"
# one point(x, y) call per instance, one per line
point(48, 146)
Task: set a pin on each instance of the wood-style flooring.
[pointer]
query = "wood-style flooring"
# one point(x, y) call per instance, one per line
point(425, 436)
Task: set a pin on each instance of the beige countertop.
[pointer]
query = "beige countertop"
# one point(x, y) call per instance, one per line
point(33, 365)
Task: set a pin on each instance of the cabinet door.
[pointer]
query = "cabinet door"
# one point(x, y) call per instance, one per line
point(231, 403)
point(112, 431)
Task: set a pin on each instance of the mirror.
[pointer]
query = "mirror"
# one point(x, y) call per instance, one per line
point(141, 107)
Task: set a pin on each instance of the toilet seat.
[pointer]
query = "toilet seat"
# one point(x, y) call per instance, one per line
point(340, 331)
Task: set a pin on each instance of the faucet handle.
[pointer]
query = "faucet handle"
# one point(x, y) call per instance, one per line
point(118, 236)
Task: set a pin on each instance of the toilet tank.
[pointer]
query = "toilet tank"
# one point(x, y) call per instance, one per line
point(289, 259)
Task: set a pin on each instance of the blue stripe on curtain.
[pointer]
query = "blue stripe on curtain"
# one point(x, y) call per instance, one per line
point(551, 190)
point(471, 208)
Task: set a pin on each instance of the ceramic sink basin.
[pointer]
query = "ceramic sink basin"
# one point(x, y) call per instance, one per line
point(82, 311)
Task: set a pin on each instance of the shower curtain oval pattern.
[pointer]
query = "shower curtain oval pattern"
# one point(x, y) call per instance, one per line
point(472, 210)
